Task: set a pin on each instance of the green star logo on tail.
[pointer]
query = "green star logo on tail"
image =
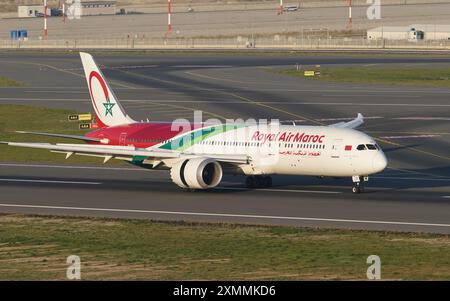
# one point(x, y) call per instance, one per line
point(108, 106)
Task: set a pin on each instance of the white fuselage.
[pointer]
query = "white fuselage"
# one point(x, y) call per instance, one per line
point(297, 150)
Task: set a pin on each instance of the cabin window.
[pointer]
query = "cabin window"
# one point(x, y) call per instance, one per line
point(361, 147)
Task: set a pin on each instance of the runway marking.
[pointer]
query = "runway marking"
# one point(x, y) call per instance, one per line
point(49, 181)
point(337, 220)
point(56, 91)
point(152, 101)
point(417, 172)
point(446, 196)
point(201, 66)
point(366, 95)
point(348, 118)
point(278, 190)
point(113, 82)
point(402, 178)
point(410, 136)
point(227, 79)
point(74, 167)
point(423, 118)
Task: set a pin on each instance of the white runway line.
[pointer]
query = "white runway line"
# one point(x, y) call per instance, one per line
point(348, 118)
point(57, 91)
point(403, 178)
point(423, 118)
point(48, 181)
point(8, 99)
point(410, 136)
point(187, 213)
point(446, 196)
point(201, 66)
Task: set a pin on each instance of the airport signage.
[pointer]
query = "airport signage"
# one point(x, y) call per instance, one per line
point(85, 117)
point(85, 126)
point(73, 117)
point(80, 117)
point(309, 73)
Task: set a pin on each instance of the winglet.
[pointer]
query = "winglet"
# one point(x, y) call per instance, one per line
point(352, 124)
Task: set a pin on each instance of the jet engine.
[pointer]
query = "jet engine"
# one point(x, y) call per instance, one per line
point(197, 173)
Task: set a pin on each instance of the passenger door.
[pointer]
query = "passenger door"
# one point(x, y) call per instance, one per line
point(336, 148)
point(123, 139)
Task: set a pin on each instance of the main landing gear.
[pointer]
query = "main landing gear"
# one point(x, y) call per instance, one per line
point(358, 183)
point(258, 181)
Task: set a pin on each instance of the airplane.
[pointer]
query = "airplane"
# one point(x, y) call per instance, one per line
point(198, 155)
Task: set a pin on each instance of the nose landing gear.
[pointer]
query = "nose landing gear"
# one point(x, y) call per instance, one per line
point(358, 183)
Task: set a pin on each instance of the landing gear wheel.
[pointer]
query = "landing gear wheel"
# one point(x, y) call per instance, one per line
point(356, 189)
point(358, 183)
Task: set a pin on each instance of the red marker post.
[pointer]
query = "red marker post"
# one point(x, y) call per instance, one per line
point(350, 15)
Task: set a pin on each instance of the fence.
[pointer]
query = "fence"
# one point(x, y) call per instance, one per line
point(240, 42)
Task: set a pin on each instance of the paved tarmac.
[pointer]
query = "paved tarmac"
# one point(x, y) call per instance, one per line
point(411, 123)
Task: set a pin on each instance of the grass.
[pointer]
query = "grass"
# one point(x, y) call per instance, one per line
point(36, 247)
point(8, 82)
point(426, 77)
point(38, 119)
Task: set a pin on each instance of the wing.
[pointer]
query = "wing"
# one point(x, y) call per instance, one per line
point(352, 124)
point(76, 137)
point(128, 153)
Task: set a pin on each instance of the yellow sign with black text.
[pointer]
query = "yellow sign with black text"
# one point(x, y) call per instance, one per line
point(85, 117)
point(73, 117)
point(85, 126)
point(80, 117)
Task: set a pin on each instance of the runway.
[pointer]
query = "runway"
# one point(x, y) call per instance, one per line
point(411, 123)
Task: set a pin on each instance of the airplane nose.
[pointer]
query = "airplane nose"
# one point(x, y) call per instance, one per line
point(379, 162)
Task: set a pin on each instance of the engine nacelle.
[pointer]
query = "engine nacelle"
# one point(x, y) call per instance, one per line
point(197, 173)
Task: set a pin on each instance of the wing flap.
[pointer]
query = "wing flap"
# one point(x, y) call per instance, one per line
point(111, 151)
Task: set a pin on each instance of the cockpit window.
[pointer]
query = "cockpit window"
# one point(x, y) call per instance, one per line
point(371, 146)
point(361, 147)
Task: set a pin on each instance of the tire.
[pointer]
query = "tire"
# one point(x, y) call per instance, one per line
point(356, 190)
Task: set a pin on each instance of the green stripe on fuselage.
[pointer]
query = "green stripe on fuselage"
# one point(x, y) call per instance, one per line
point(138, 159)
point(185, 141)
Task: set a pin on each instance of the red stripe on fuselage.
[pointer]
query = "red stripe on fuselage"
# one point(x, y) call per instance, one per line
point(105, 92)
point(140, 135)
